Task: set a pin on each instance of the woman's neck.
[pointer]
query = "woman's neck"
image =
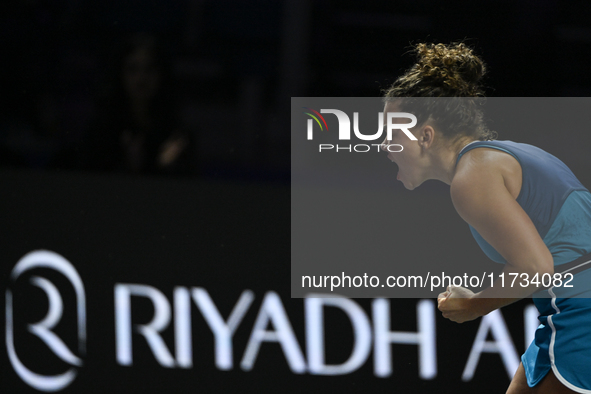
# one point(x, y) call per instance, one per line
point(447, 159)
point(140, 111)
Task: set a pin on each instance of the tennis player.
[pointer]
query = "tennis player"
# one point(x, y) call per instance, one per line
point(524, 207)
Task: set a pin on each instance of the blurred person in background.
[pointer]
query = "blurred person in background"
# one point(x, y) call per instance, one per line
point(137, 130)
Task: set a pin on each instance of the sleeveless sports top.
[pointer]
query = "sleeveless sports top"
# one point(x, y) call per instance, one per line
point(554, 199)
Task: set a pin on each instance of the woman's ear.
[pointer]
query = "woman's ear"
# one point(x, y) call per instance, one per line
point(427, 136)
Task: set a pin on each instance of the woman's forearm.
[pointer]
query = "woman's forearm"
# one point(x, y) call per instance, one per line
point(511, 285)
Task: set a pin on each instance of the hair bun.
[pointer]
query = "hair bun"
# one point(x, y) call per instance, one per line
point(444, 71)
point(455, 68)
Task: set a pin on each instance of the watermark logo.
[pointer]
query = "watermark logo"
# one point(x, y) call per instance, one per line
point(344, 133)
point(44, 329)
point(316, 119)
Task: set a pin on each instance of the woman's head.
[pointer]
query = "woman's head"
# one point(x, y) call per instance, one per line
point(443, 88)
point(139, 90)
point(138, 72)
point(141, 68)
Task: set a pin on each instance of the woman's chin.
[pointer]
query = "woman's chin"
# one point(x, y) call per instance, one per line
point(409, 186)
point(406, 184)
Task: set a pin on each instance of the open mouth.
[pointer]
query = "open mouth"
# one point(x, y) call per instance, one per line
point(397, 166)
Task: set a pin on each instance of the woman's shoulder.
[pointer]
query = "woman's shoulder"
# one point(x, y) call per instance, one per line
point(487, 166)
point(487, 158)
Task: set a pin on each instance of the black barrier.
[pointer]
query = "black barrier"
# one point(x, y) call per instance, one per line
point(125, 285)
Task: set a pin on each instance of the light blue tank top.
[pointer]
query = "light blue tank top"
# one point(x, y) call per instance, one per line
point(554, 199)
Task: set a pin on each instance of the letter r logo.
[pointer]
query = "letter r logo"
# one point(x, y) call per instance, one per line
point(44, 328)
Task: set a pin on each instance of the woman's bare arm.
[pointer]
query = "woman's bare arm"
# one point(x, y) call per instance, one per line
point(481, 197)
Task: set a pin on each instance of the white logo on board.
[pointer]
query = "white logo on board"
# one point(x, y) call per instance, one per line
point(44, 328)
